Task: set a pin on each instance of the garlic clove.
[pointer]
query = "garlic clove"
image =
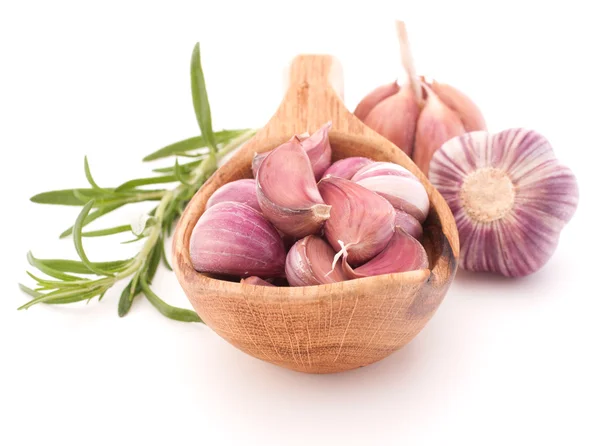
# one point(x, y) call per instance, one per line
point(436, 125)
point(469, 114)
point(309, 263)
point(510, 198)
point(234, 239)
point(254, 280)
point(398, 185)
point(395, 118)
point(257, 160)
point(402, 253)
point(408, 224)
point(361, 222)
point(241, 191)
point(287, 191)
point(347, 167)
point(318, 149)
point(365, 106)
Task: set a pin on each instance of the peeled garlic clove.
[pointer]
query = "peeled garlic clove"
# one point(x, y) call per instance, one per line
point(241, 191)
point(234, 239)
point(398, 185)
point(318, 150)
point(253, 280)
point(361, 221)
point(436, 125)
point(365, 106)
point(469, 114)
point(287, 191)
point(408, 224)
point(395, 118)
point(309, 263)
point(347, 167)
point(402, 253)
point(510, 198)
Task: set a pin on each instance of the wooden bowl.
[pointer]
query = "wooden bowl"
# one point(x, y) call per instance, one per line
point(325, 328)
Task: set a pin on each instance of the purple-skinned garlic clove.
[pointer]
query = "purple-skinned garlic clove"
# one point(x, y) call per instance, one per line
point(287, 191)
point(380, 93)
point(254, 280)
point(469, 114)
point(510, 198)
point(395, 118)
point(402, 253)
point(317, 148)
point(234, 239)
point(437, 124)
point(361, 222)
point(241, 191)
point(347, 167)
point(396, 184)
point(408, 224)
point(309, 263)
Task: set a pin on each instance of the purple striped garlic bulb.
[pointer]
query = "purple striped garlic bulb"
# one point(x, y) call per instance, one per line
point(509, 195)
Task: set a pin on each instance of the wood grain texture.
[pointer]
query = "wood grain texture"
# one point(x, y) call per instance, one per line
point(326, 328)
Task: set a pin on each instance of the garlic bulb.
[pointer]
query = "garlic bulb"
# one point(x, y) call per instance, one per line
point(510, 198)
point(361, 222)
point(408, 224)
point(402, 253)
point(234, 239)
point(253, 280)
point(317, 148)
point(287, 191)
point(419, 116)
point(309, 263)
point(241, 191)
point(398, 185)
point(347, 167)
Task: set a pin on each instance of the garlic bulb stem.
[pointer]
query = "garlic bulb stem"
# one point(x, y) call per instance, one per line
point(408, 62)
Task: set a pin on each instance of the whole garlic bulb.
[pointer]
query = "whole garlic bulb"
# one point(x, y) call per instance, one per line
point(510, 198)
point(418, 116)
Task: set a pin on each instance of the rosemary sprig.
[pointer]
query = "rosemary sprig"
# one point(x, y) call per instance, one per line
point(77, 280)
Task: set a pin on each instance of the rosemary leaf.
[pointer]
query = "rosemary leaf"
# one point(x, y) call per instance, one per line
point(196, 142)
point(145, 181)
point(93, 216)
point(67, 197)
point(88, 175)
point(78, 267)
point(175, 313)
point(79, 242)
point(49, 270)
point(200, 99)
point(126, 299)
point(107, 231)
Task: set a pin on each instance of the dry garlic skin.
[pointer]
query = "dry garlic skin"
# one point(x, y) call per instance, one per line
point(234, 239)
point(510, 198)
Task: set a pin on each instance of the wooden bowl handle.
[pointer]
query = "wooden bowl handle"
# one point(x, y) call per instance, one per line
point(313, 97)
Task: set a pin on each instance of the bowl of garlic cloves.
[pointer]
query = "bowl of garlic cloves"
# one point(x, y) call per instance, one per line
point(320, 246)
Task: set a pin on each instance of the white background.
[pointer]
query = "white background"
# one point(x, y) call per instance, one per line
point(502, 361)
